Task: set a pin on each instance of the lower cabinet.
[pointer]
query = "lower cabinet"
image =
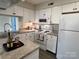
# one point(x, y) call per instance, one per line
point(34, 55)
point(51, 43)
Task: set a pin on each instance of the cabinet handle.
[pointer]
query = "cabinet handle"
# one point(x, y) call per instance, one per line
point(74, 8)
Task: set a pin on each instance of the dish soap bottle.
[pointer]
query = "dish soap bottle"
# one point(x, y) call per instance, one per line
point(9, 42)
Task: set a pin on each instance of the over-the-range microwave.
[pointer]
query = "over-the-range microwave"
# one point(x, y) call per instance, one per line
point(42, 20)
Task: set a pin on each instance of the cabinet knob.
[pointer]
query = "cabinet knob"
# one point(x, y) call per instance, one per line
point(74, 8)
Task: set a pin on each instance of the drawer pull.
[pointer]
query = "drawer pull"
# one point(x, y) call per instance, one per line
point(74, 8)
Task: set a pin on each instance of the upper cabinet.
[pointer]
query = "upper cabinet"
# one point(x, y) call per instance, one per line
point(68, 7)
point(77, 6)
point(18, 10)
point(8, 11)
point(56, 14)
point(43, 14)
point(28, 15)
point(13, 9)
point(71, 7)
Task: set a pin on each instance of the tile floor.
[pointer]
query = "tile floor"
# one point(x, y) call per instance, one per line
point(46, 55)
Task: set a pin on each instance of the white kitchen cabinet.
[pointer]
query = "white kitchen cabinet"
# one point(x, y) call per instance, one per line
point(71, 7)
point(28, 15)
point(37, 16)
point(56, 15)
point(18, 10)
point(68, 7)
point(77, 6)
point(51, 43)
point(43, 14)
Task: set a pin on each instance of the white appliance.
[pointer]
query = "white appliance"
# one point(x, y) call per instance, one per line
point(51, 43)
point(41, 39)
point(68, 41)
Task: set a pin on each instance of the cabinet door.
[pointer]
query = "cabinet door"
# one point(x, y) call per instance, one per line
point(37, 16)
point(18, 11)
point(51, 44)
point(48, 15)
point(8, 11)
point(42, 14)
point(56, 15)
point(25, 15)
point(45, 14)
point(68, 7)
point(77, 6)
point(28, 15)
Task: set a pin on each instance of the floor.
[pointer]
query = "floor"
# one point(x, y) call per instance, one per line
point(46, 55)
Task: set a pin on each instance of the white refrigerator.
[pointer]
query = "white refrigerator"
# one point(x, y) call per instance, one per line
point(68, 39)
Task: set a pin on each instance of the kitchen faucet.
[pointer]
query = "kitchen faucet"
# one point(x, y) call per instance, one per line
point(5, 26)
point(9, 41)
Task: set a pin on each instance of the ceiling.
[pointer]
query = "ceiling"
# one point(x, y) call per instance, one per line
point(36, 1)
point(42, 1)
point(7, 3)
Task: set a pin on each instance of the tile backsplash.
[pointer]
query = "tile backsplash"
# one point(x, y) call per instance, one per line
point(55, 28)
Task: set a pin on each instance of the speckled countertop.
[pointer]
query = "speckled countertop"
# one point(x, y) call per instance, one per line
point(51, 33)
point(28, 48)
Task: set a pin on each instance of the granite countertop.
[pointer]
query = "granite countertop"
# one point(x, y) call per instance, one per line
point(51, 33)
point(28, 48)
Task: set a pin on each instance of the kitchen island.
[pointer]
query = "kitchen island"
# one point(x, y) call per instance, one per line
point(30, 50)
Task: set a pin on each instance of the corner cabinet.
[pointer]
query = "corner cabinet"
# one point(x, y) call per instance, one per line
point(56, 14)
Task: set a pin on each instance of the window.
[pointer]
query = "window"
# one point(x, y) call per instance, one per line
point(12, 20)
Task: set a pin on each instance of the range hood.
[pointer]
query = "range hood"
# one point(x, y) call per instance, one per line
point(4, 4)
